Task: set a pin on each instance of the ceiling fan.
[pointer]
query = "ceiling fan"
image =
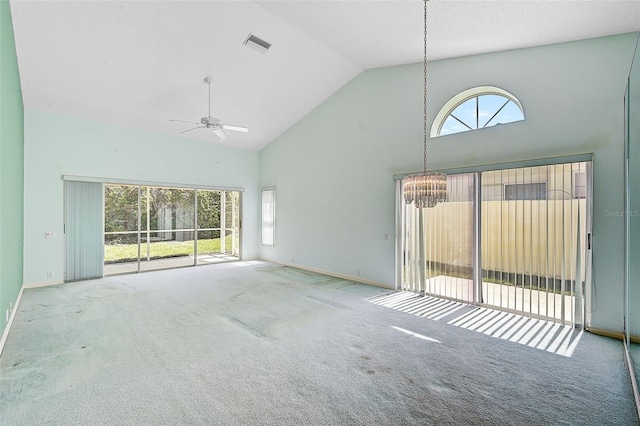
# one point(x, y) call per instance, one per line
point(213, 123)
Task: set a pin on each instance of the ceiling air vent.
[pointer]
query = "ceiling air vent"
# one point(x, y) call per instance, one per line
point(257, 44)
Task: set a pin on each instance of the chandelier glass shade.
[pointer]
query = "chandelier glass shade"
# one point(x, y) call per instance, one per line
point(425, 189)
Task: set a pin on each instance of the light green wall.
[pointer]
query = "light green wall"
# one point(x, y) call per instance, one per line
point(11, 167)
point(57, 145)
point(333, 170)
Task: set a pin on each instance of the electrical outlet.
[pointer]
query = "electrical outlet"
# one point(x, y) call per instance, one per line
point(49, 234)
point(49, 274)
point(292, 258)
point(386, 236)
point(359, 272)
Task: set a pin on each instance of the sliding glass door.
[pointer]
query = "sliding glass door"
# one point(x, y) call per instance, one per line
point(150, 227)
point(513, 239)
point(167, 222)
point(534, 233)
point(121, 228)
point(218, 226)
point(438, 244)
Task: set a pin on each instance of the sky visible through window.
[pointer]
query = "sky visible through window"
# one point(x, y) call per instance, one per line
point(479, 112)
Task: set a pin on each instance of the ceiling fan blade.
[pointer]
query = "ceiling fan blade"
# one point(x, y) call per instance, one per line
point(183, 121)
point(234, 128)
point(221, 134)
point(199, 127)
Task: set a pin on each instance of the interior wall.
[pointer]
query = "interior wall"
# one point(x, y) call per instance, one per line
point(632, 211)
point(57, 145)
point(334, 169)
point(11, 168)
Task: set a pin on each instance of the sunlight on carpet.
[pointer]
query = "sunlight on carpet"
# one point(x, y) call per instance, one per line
point(532, 332)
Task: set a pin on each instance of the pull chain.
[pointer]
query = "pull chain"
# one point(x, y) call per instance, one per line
point(425, 87)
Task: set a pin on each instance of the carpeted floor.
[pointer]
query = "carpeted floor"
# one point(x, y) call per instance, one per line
point(255, 343)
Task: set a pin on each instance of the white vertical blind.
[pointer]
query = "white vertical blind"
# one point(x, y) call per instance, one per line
point(534, 248)
point(83, 204)
point(268, 216)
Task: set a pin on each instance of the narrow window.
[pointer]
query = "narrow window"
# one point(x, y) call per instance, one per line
point(526, 191)
point(580, 184)
point(268, 216)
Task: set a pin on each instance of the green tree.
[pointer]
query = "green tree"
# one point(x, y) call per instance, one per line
point(120, 208)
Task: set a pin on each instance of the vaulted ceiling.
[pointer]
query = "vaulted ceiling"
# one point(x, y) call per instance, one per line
point(139, 64)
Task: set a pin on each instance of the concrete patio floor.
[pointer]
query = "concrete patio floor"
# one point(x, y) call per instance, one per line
point(167, 263)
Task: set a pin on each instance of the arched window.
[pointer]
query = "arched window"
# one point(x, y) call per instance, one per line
point(477, 108)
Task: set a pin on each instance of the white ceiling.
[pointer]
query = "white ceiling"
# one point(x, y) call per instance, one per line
point(140, 63)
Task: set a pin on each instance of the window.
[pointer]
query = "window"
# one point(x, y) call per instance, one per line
point(268, 216)
point(579, 184)
point(477, 108)
point(526, 191)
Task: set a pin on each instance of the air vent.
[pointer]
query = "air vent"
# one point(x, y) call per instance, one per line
point(257, 44)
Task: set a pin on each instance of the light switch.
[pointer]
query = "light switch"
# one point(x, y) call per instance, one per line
point(49, 234)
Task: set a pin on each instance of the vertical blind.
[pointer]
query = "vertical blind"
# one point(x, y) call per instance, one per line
point(534, 241)
point(84, 246)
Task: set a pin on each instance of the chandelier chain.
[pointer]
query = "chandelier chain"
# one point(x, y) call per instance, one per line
point(425, 189)
point(425, 88)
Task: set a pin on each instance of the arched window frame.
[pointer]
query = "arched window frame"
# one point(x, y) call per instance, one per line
point(464, 96)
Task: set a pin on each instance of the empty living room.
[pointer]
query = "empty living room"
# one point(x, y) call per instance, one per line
point(319, 212)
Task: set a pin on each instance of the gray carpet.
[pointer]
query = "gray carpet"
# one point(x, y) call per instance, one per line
point(634, 353)
point(255, 343)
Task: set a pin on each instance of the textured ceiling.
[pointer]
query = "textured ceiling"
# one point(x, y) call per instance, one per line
point(140, 63)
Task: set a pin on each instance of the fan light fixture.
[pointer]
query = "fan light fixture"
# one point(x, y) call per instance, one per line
point(213, 123)
point(425, 189)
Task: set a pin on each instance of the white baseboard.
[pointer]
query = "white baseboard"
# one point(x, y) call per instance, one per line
point(45, 284)
point(331, 274)
point(5, 333)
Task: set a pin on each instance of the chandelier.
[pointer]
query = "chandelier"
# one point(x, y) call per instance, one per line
point(425, 189)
